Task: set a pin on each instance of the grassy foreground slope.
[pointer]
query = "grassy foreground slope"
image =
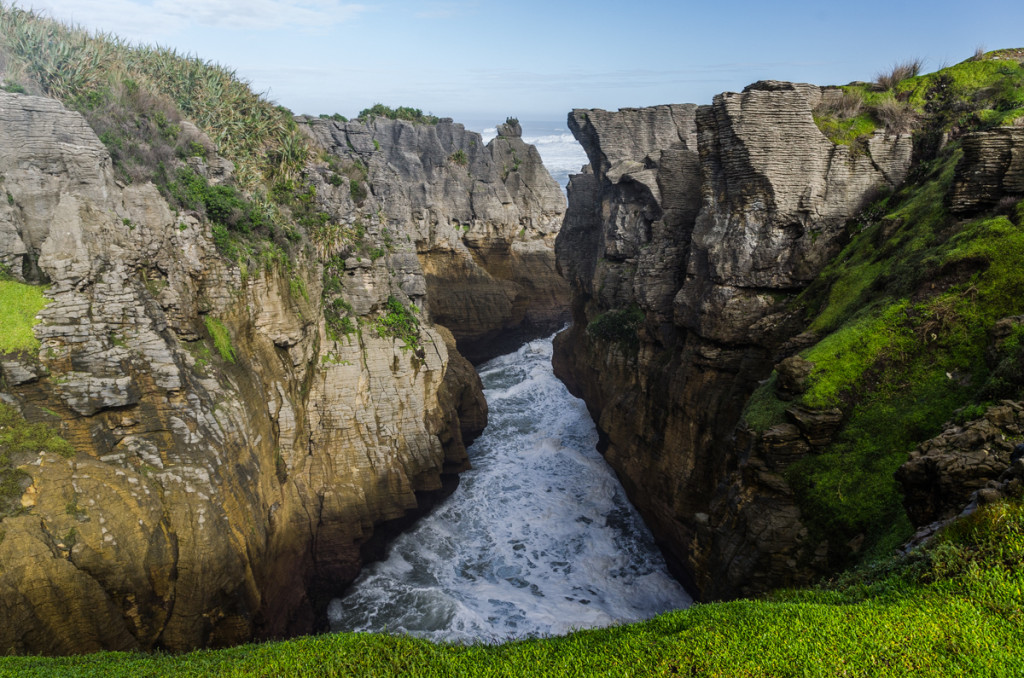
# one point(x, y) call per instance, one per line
point(953, 609)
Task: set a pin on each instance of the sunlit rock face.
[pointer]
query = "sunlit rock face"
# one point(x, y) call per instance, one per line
point(214, 496)
point(682, 238)
point(483, 219)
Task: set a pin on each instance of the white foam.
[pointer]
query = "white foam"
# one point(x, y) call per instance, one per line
point(538, 539)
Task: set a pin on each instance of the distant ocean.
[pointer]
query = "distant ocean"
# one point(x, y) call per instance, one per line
point(561, 153)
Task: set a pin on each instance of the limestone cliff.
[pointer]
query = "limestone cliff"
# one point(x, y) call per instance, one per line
point(483, 219)
point(683, 240)
point(232, 452)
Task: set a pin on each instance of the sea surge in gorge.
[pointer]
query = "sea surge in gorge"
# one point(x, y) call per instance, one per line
point(538, 539)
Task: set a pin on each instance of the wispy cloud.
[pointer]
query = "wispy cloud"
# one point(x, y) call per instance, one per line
point(161, 18)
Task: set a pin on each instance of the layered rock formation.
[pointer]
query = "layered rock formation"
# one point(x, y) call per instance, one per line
point(706, 219)
point(232, 455)
point(992, 167)
point(483, 219)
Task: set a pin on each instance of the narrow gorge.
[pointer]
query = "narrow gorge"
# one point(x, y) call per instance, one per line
point(765, 340)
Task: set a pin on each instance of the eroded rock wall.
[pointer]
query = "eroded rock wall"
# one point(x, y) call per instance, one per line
point(483, 219)
point(706, 219)
point(217, 493)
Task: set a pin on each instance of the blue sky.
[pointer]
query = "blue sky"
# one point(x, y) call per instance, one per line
point(538, 60)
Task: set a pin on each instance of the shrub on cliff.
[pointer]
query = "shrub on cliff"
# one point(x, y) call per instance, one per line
point(618, 327)
point(399, 322)
point(400, 113)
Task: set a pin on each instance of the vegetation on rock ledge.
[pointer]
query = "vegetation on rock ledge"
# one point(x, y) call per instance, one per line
point(19, 305)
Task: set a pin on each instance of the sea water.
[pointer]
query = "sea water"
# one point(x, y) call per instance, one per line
point(538, 539)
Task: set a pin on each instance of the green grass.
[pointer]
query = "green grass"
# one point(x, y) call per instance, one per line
point(842, 358)
point(954, 609)
point(846, 131)
point(19, 304)
point(221, 338)
point(997, 81)
point(764, 408)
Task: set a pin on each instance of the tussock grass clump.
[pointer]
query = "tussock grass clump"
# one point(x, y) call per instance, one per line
point(897, 116)
point(846, 105)
point(843, 119)
point(898, 73)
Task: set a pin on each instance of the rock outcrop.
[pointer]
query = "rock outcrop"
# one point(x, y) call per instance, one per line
point(483, 219)
point(944, 473)
point(232, 455)
point(992, 168)
point(705, 219)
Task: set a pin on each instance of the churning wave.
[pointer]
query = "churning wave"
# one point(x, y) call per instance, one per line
point(538, 539)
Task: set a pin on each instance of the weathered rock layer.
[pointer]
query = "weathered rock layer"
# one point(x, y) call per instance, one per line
point(705, 218)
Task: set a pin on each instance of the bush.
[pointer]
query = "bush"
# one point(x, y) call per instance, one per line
point(338, 316)
point(618, 327)
point(459, 158)
point(400, 323)
point(401, 113)
point(223, 205)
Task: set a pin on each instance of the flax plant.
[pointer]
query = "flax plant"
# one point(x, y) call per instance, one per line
point(71, 64)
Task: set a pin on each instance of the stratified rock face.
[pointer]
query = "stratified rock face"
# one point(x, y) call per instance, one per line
point(483, 219)
point(210, 500)
point(704, 218)
point(992, 167)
